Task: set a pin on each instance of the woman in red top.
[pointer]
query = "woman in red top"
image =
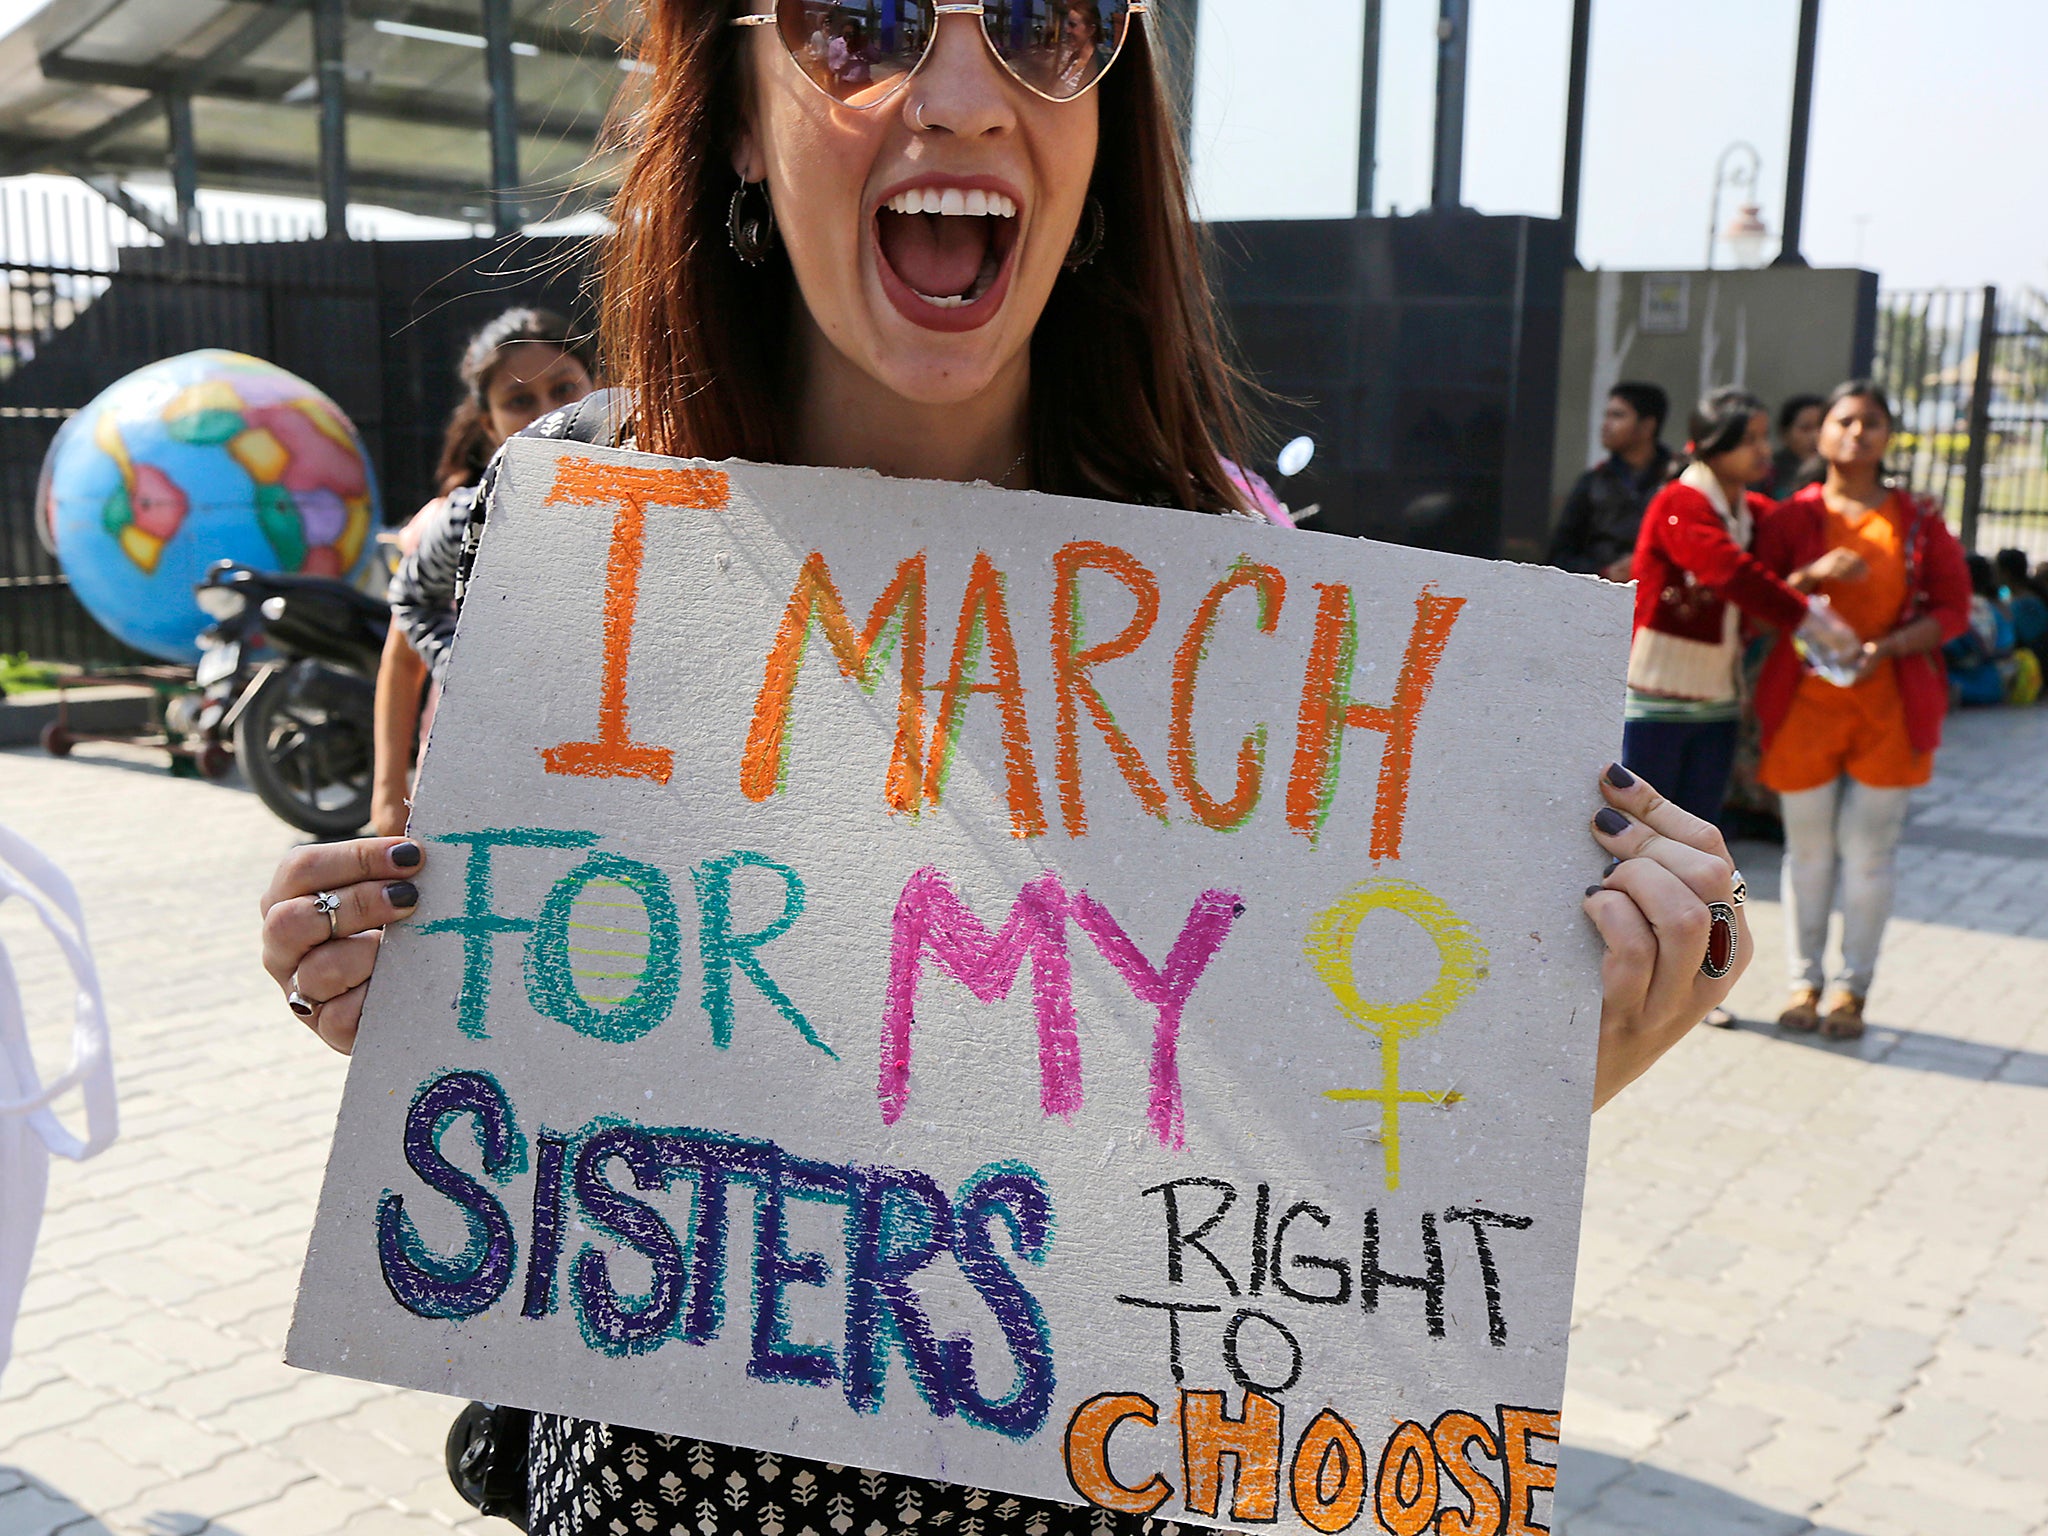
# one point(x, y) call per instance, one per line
point(1845, 759)
point(1695, 578)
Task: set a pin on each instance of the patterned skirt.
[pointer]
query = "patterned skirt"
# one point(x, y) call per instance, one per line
point(590, 1479)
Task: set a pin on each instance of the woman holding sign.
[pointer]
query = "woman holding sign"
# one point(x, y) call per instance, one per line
point(971, 260)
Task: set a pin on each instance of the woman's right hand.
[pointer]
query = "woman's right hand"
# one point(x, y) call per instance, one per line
point(1835, 565)
point(326, 962)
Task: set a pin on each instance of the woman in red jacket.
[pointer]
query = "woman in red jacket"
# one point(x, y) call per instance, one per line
point(1845, 758)
point(1695, 578)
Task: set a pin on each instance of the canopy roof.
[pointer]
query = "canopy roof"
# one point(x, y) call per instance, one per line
point(97, 88)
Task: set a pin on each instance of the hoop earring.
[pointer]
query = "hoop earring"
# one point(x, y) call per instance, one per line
point(1089, 237)
point(750, 233)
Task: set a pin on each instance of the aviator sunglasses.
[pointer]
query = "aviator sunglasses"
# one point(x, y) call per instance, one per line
point(860, 54)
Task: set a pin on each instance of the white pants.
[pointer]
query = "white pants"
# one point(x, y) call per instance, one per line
point(1841, 840)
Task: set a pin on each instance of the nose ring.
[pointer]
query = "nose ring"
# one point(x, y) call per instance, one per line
point(917, 116)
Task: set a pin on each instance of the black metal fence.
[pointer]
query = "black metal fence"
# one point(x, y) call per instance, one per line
point(92, 293)
point(1967, 370)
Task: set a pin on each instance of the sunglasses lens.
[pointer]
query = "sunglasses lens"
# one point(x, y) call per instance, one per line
point(857, 53)
point(1058, 47)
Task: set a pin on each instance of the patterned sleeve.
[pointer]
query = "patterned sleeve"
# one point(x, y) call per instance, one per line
point(427, 593)
point(423, 591)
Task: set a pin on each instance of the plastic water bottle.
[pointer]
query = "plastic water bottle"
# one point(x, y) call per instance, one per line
point(1842, 667)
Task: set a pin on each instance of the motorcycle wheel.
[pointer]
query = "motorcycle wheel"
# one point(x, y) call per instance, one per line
point(286, 755)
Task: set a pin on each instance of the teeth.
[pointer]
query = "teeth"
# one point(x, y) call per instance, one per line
point(945, 301)
point(953, 203)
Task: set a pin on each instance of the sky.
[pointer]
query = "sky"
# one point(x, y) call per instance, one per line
point(1928, 123)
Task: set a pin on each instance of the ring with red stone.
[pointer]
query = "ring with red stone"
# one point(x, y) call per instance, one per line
point(1723, 937)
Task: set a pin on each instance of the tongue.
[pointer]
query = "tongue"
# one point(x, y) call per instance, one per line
point(937, 256)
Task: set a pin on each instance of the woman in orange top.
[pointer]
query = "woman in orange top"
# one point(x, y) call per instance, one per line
point(1846, 757)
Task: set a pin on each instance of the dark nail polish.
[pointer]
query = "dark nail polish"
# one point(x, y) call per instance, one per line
point(1612, 866)
point(1595, 890)
point(1620, 777)
point(402, 894)
point(406, 855)
point(1611, 821)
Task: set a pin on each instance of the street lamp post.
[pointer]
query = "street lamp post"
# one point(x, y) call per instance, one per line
point(1743, 175)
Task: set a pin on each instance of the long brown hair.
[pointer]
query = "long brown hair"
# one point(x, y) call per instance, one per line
point(1133, 397)
point(467, 445)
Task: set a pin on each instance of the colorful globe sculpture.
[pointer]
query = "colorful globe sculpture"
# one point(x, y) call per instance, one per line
point(210, 456)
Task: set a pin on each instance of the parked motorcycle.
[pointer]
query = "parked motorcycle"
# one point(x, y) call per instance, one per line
point(288, 674)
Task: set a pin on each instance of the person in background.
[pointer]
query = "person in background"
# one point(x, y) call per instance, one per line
point(846, 56)
point(1596, 532)
point(2026, 600)
point(1695, 579)
point(1080, 41)
point(1797, 461)
point(1846, 757)
point(1751, 810)
point(1981, 663)
point(515, 370)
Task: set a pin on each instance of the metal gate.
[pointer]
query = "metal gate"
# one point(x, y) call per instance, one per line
point(1967, 370)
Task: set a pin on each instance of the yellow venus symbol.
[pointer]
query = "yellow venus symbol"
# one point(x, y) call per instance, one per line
point(1463, 965)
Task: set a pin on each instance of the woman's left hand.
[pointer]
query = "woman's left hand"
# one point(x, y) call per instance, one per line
point(1868, 658)
point(1652, 911)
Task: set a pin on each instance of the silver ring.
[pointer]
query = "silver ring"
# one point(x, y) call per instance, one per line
point(1721, 921)
point(917, 116)
point(1740, 894)
point(328, 904)
point(300, 1006)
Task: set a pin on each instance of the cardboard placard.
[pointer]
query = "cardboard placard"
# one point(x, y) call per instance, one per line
point(1070, 999)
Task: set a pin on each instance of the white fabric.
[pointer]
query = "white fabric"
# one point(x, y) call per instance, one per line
point(1737, 520)
point(29, 1128)
point(1672, 666)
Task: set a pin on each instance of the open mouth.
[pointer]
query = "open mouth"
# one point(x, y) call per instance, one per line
point(945, 253)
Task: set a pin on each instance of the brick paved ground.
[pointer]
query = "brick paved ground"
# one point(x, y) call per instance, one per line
point(1815, 1276)
point(1811, 1297)
point(147, 1388)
